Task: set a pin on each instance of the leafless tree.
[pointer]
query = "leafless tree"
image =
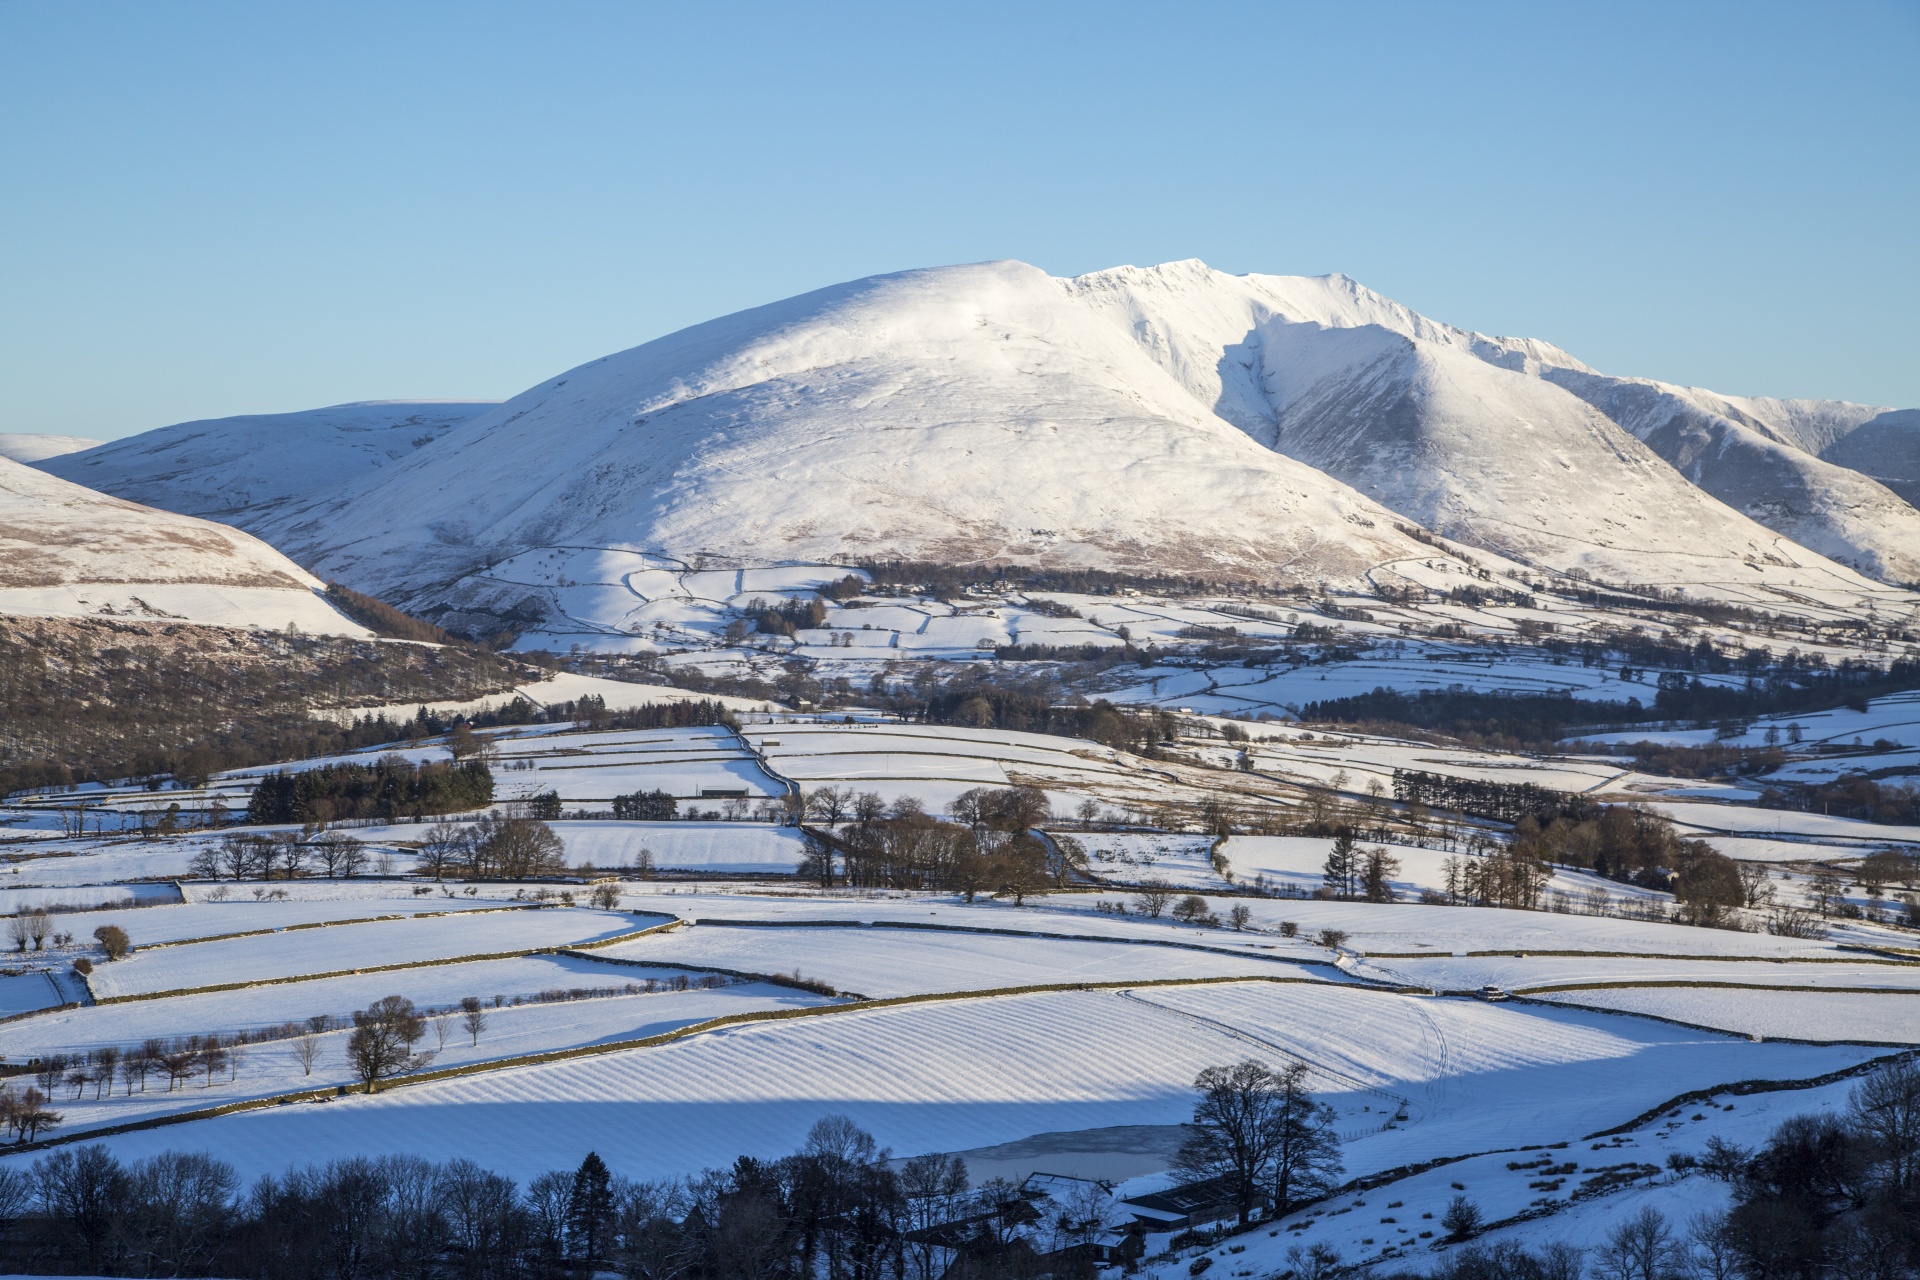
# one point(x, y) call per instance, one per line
point(1153, 897)
point(444, 848)
point(383, 1037)
point(105, 1060)
point(306, 1051)
point(19, 929)
point(473, 1017)
point(211, 1056)
point(1641, 1248)
point(441, 1021)
point(606, 895)
point(39, 925)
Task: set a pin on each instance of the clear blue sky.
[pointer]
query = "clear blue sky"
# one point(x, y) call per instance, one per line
point(213, 209)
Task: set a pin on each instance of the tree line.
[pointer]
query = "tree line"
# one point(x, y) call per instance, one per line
point(838, 1208)
point(390, 789)
point(988, 847)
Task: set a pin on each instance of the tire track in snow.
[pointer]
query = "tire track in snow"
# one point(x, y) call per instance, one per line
point(1402, 1105)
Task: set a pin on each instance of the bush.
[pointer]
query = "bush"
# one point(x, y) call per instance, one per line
point(82, 965)
point(1332, 939)
point(113, 940)
point(1191, 909)
point(1462, 1218)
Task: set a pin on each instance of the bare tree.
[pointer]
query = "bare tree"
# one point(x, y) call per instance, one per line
point(19, 929)
point(382, 1041)
point(1153, 897)
point(605, 895)
point(1641, 1248)
point(306, 1051)
point(1228, 1138)
point(105, 1060)
point(39, 925)
point(1756, 886)
point(441, 1021)
point(444, 849)
point(473, 1017)
point(211, 1056)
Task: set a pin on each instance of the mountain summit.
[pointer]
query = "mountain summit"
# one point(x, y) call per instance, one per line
point(1165, 419)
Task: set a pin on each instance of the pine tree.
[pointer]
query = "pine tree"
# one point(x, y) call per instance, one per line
point(590, 1211)
point(1342, 866)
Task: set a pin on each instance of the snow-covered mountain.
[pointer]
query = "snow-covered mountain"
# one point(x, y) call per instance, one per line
point(29, 447)
point(66, 551)
point(1512, 443)
point(1171, 419)
point(969, 413)
point(238, 469)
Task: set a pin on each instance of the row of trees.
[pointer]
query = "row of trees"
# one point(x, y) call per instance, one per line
point(837, 1209)
point(334, 855)
point(989, 847)
point(498, 846)
point(390, 789)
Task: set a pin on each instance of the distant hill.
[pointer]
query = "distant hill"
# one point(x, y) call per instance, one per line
point(29, 447)
point(66, 551)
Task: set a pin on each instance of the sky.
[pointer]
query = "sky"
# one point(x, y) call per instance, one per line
point(212, 209)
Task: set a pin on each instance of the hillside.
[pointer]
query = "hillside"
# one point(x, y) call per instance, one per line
point(30, 448)
point(66, 551)
point(238, 469)
point(1512, 443)
point(972, 413)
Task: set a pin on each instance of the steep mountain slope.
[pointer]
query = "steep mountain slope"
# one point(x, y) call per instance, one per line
point(30, 448)
point(967, 413)
point(66, 551)
point(1782, 462)
point(1510, 443)
point(240, 469)
point(1885, 447)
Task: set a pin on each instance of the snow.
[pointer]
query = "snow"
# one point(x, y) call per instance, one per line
point(66, 551)
point(271, 1005)
point(906, 961)
point(1889, 1016)
point(350, 946)
point(722, 848)
point(962, 1074)
point(270, 1068)
point(33, 447)
point(232, 469)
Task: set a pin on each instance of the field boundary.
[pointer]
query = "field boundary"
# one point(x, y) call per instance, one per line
point(391, 968)
point(1036, 933)
point(1529, 954)
point(1705, 984)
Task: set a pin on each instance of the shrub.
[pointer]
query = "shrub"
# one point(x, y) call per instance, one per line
point(113, 940)
point(1462, 1218)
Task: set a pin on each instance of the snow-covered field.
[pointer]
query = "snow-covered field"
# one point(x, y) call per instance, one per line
point(909, 961)
point(721, 848)
point(1891, 1017)
point(967, 1073)
point(355, 946)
